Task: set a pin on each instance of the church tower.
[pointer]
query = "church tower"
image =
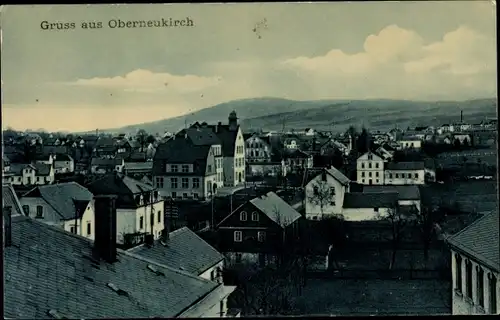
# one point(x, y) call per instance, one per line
point(233, 121)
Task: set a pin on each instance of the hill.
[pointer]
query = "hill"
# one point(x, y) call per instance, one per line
point(272, 113)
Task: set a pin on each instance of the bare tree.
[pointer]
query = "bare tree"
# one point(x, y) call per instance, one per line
point(397, 225)
point(321, 194)
point(141, 138)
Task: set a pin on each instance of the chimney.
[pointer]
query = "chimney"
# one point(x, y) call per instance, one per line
point(461, 116)
point(105, 227)
point(7, 226)
point(149, 240)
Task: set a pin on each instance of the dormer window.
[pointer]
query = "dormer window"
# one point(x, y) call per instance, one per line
point(255, 216)
point(185, 168)
point(243, 216)
point(39, 211)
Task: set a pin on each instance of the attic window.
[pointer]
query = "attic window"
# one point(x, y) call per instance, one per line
point(117, 290)
point(155, 270)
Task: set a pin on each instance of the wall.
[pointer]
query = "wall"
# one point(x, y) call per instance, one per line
point(210, 305)
point(81, 225)
point(207, 274)
point(264, 169)
point(166, 190)
point(64, 166)
point(363, 214)
point(364, 171)
point(462, 305)
point(404, 181)
point(239, 159)
point(50, 216)
point(257, 150)
point(314, 209)
point(229, 170)
point(415, 144)
point(125, 223)
point(145, 212)
point(409, 203)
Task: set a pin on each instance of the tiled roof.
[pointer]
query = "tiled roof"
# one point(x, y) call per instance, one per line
point(180, 151)
point(370, 200)
point(54, 150)
point(10, 199)
point(339, 176)
point(418, 165)
point(17, 168)
point(297, 154)
point(276, 208)
point(226, 136)
point(105, 162)
point(47, 268)
point(407, 192)
point(61, 197)
point(184, 250)
point(480, 240)
point(42, 169)
point(148, 165)
point(200, 136)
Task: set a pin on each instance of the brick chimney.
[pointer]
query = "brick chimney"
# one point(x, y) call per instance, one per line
point(105, 227)
point(7, 226)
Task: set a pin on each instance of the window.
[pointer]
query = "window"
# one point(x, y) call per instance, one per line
point(363, 180)
point(362, 165)
point(255, 216)
point(375, 209)
point(185, 183)
point(416, 175)
point(89, 228)
point(362, 174)
point(377, 181)
point(238, 257)
point(212, 275)
point(376, 165)
point(174, 195)
point(403, 175)
point(195, 195)
point(468, 278)
point(185, 168)
point(209, 168)
point(397, 175)
point(173, 183)
point(39, 211)
point(332, 192)
point(159, 182)
point(261, 236)
point(196, 183)
point(370, 157)
point(237, 236)
point(174, 168)
point(243, 216)
point(185, 195)
point(158, 214)
point(141, 222)
point(376, 174)
point(72, 229)
point(369, 165)
point(480, 285)
point(369, 174)
point(493, 293)
point(26, 210)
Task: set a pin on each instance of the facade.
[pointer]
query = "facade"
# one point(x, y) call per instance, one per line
point(64, 163)
point(476, 267)
point(405, 173)
point(370, 169)
point(106, 165)
point(298, 160)
point(29, 174)
point(258, 149)
point(361, 206)
point(68, 206)
point(185, 168)
point(260, 228)
point(324, 194)
point(411, 142)
point(139, 207)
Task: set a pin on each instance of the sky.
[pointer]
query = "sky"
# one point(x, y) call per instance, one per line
point(83, 79)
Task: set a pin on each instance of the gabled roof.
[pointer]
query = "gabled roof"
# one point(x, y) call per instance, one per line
point(42, 169)
point(17, 168)
point(276, 209)
point(10, 199)
point(480, 240)
point(180, 151)
point(410, 165)
point(200, 136)
point(105, 162)
point(184, 250)
point(337, 175)
point(405, 192)
point(148, 165)
point(226, 136)
point(68, 199)
point(362, 200)
point(47, 268)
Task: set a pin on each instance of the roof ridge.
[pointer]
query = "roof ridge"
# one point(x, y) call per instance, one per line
point(475, 222)
point(200, 238)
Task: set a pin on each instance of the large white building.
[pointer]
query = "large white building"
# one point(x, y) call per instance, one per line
point(476, 267)
point(370, 169)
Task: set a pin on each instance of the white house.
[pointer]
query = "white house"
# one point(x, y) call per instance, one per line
point(257, 149)
point(106, 165)
point(64, 163)
point(384, 153)
point(410, 142)
point(476, 267)
point(29, 174)
point(139, 207)
point(401, 173)
point(68, 205)
point(370, 169)
point(324, 194)
point(361, 206)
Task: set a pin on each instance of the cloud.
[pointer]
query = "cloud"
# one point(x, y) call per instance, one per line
point(141, 80)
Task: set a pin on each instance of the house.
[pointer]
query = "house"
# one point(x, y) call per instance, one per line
point(309, 132)
point(401, 173)
point(64, 163)
point(184, 250)
point(361, 206)
point(45, 159)
point(324, 193)
point(105, 147)
point(10, 200)
point(138, 168)
point(408, 195)
point(50, 273)
point(233, 149)
point(106, 165)
point(410, 142)
point(258, 149)
point(189, 167)
point(68, 206)
point(370, 169)
point(29, 174)
point(475, 267)
point(291, 142)
point(140, 208)
point(258, 230)
point(463, 138)
point(330, 146)
point(445, 128)
point(297, 160)
point(395, 134)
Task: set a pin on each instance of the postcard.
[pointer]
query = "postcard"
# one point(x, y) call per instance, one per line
point(250, 159)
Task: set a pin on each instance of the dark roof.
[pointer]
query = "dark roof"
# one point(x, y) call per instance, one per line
point(180, 151)
point(480, 240)
point(105, 162)
point(120, 185)
point(105, 142)
point(370, 200)
point(339, 176)
point(67, 199)
point(46, 150)
point(47, 268)
point(137, 156)
point(276, 209)
point(296, 154)
point(227, 137)
point(200, 136)
point(406, 192)
point(63, 157)
point(10, 199)
point(418, 165)
point(184, 250)
point(42, 169)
